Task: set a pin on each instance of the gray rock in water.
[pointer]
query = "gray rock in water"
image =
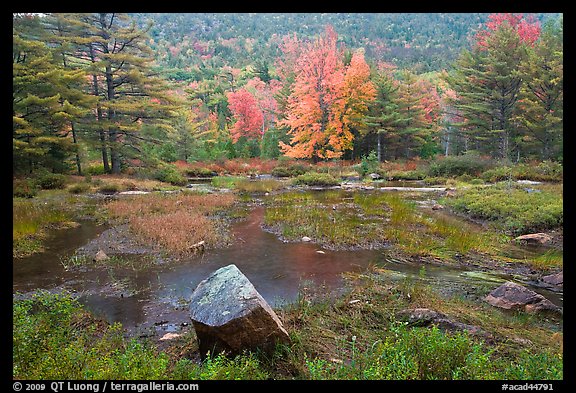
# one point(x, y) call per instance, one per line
point(554, 279)
point(229, 315)
point(512, 296)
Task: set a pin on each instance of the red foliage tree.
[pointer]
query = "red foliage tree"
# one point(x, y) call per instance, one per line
point(326, 99)
point(528, 29)
point(248, 116)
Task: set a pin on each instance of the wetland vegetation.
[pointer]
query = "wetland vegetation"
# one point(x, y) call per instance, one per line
point(377, 200)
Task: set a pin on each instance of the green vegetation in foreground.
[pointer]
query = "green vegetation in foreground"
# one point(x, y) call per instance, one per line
point(54, 338)
point(369, 220)
point(518, 209)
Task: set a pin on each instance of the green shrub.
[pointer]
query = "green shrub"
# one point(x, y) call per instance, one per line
point(169, 174)
point(453, 166)
point(108, 188)
point(79, 188)
point(369, 164)
point(292, 171)
point(514, 209)
point(405, 175)
point(51, 181)
point(24, 188)
point(241, 367)
point(199, 172)
point(544, 171)
point(54, 338)
point(95, 170)
point(497, 174)
point(316, 179)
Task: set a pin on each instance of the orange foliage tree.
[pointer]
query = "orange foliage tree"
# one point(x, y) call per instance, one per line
point(327, 100)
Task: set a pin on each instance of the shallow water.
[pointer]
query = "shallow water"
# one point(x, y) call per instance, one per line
point(157, 298)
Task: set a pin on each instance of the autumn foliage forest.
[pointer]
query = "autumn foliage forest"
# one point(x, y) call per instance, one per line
point(114, 91)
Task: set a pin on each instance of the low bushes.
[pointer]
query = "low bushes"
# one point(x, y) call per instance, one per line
point(316, 179)
point(24, 188)
point(544, 171)
point(514, 208)
point(453, 166)
point(288, 171)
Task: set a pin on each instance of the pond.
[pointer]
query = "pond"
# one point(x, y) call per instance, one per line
point(154, 300)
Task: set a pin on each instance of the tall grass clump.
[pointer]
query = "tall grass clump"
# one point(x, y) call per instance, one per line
point(174, 222)
point(30, 219)
point(453, 166)
point(317, 179)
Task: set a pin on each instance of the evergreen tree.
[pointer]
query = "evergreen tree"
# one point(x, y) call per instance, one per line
point(540, 107)
point(131, 94)
point(384, 115)
point(47, 99)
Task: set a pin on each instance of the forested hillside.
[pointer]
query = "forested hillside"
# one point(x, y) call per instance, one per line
point(168, 87)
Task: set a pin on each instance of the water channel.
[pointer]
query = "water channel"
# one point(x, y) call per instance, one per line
point(155, 299)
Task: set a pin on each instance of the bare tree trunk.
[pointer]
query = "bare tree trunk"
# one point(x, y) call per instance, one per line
point(379, 147)
point(78, 165)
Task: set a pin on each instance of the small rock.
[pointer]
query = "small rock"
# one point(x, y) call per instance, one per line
point(321, 252)
point(437, 207)
point(534, 238)
point(134, 192)
point(198, 247)
point(306, 239)
point(419, 316)
point(354, 301)
point(100, 256)
point(374, 176)
point(528, 182)
point(554, 279)
point(512, 296)
point(170, 336)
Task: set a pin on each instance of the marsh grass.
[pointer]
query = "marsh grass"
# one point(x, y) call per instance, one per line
point(516, 209)
point(31, 219)
point(258, 186)
point(226, 181)
point(131, 262)
point(374, 220)
point(175, 223)
point(358, 336)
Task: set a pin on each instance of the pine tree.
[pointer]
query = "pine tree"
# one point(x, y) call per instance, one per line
point(114, 51)
point(384, 114)
point(47, 99)
point(540, 106)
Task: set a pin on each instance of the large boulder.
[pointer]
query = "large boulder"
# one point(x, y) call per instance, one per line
point(229, 315)
point(512, 296)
